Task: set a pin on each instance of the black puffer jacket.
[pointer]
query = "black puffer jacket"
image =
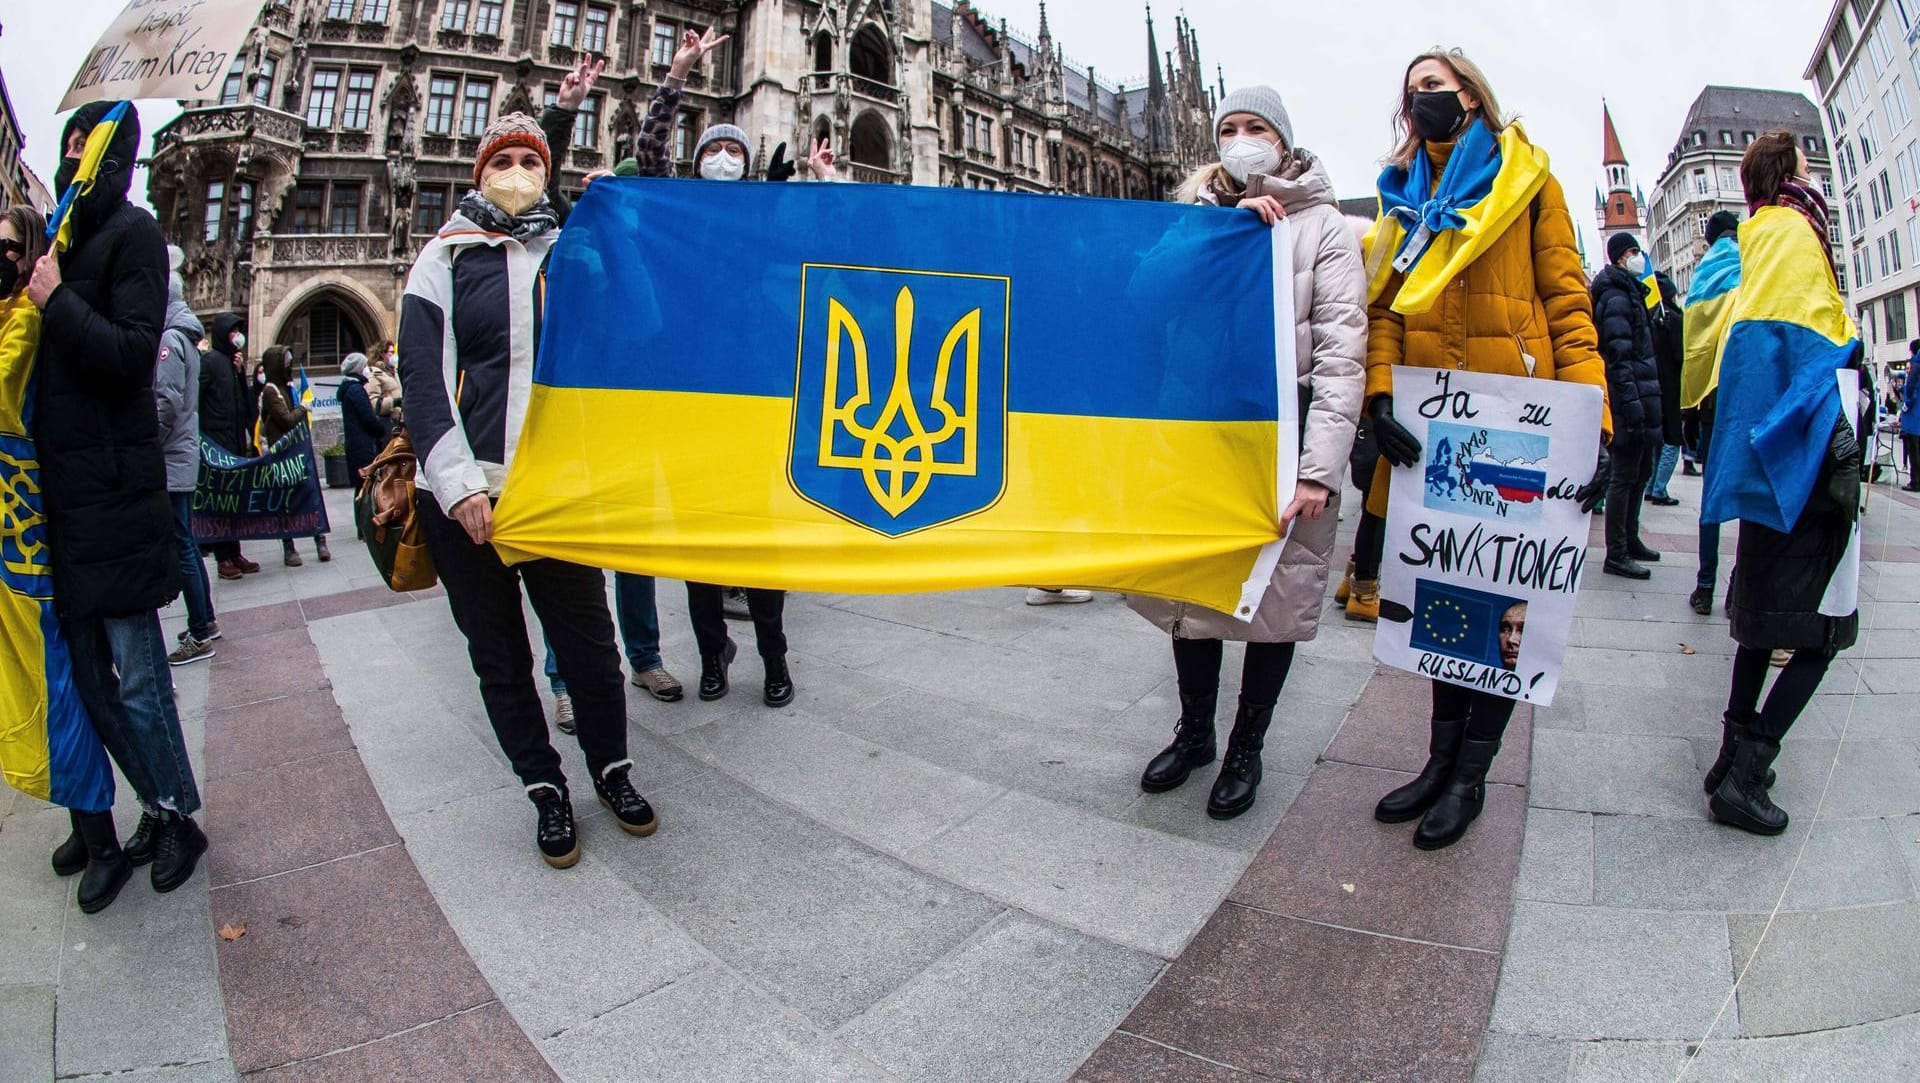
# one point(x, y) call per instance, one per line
point(224, 417)
point(1626, 344)
point(103, 473)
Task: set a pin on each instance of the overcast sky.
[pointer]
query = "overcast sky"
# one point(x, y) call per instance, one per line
point(1337, 64)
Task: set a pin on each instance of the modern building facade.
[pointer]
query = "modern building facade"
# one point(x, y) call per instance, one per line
point(1702, 173)
point(18, 184)
point(1617, 210)
point(1863, 70)
point(345, 132)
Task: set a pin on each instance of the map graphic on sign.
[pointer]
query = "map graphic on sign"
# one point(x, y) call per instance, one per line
point(1487, 473)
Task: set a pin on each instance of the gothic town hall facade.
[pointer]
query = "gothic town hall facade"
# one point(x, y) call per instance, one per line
point(346, 131)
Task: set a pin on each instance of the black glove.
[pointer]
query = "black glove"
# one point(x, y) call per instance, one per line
point(1396, 444)
point(779, 168)
point(1593, 492)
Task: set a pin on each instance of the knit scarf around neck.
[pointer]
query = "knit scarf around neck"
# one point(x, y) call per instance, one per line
point(529, 224)
point(1808, 201)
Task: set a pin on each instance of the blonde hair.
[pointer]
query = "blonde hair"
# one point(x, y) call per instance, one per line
point(1210, 177)
point(1472, 80)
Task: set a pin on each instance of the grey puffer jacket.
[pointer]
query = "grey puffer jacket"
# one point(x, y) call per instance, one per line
point(1330, 349)
point(176, 395)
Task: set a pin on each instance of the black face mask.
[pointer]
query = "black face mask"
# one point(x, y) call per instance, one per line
point(9, 277)
point(1438, 115)
point(63, 176)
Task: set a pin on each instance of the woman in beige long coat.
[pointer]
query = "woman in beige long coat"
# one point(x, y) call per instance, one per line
point(1263, 171)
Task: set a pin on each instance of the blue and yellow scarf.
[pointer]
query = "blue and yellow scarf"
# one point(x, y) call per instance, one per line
point(1430, 234)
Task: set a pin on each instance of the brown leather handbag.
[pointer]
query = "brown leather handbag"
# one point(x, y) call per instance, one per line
point(389, 523)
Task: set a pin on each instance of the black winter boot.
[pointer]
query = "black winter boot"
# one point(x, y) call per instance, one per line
point(70, 857)
point(1416, 797)
point(779, 689)
point(1460, 799)
point(1741, 799)
point(1239, 778)
point(556, 835)
point(713, 672)
point(139, 845)
point(630, 810)
point(1733, 730)
point(107, 868)
point(177, 846)
point(1193, 745)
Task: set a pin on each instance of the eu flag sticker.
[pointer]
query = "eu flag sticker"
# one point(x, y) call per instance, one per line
point(900, 395)
point(1471, 625)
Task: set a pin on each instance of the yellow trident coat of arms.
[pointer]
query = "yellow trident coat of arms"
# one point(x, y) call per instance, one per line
point(926, 446)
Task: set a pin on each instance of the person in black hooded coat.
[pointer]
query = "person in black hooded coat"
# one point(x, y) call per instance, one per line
point(103, 477)
point(1633, 395)
point(226, 419)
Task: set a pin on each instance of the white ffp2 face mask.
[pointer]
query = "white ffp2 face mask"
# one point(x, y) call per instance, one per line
point(724, 166)
point(1244, 156)
point(514, 190)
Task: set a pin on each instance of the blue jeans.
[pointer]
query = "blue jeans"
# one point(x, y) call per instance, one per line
point(1663, 470)
point(120, 671)
point(1709, 532)
point(193, 570)
point(639, 623)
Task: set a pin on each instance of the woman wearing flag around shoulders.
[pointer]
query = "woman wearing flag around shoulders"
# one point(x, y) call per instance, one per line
point(1472, 265)
point(1261, 170)
point(1786, 461)
point(280, 412)
point(469, 325)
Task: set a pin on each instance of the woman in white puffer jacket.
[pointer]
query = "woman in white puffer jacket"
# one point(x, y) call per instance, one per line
point(1263, 171)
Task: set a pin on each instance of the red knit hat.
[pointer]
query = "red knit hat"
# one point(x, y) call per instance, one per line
point(511, 130)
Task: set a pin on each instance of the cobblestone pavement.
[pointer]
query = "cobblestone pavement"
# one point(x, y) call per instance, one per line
point(937, 865)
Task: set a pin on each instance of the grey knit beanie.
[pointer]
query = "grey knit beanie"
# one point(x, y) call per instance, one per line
point(1263, 102)
point(717, 133)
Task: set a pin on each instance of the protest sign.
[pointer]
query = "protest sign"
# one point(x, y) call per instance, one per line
point(163, 49)
point(1485, 541)
point(276, 495)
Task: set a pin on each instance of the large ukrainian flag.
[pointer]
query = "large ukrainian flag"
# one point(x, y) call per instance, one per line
point(862, 388)
point(48, 748)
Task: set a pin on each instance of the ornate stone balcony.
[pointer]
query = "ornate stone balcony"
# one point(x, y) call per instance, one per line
point(874, 91)
point(295, 249)
point(223, 123)
point(870, 174)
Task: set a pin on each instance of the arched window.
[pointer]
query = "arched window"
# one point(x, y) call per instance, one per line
point(870, 57)
point(823, 51)
point(871, 144)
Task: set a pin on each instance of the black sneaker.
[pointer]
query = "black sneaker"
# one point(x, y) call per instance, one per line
point(628, 807)
point(559, 843)
point(1701, 600)
point(140, 845)
point(713, 672)
point(177, 846)
point(779, 689)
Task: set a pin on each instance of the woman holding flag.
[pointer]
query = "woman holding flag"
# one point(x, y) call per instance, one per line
point(1262, 171)
point(469, 326)
point(1786, 461)
point(282, 411)
point(1472, 265)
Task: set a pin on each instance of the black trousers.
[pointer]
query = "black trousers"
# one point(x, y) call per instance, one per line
point(1196, 664)
point(1910, 444)
point(1792, 690)
point(1633, 461)
point(1486, 714)
point(571, 602)
point(706, 604)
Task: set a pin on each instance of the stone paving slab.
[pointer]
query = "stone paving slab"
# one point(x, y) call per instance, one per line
point(478, 1046)
point(1300, 1001)
point(292, 816)
point(1641, 862)
point(1125, 1058)
point(1595, 772)
point(35, 904)
point(26, 1021)
point(1556, 864)
point(1022, 1000)
point(1881, 1052)
point(1599, 972)
point(1821, 969)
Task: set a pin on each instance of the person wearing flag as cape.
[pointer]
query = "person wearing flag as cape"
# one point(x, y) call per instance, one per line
point(1622, 293)
point(282, 409)
point(1472, 264)
point(1787, 461)
point(1263, 171)
point(1709, 300)
point(469, 326)
point(102, 293)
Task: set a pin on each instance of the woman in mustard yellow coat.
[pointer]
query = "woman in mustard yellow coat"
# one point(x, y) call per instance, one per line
point(1472, 265)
